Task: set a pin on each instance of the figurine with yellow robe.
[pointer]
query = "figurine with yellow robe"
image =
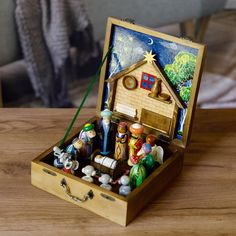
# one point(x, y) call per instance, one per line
point(121, 142)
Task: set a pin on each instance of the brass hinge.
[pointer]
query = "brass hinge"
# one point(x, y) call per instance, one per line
point(129, 20)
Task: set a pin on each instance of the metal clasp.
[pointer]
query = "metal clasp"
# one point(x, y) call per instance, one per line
point(87, 196)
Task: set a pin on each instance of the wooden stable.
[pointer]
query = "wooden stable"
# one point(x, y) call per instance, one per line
point(151, 111)
point(110, 204)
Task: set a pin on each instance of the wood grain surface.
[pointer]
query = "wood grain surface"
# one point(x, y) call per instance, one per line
point(201, 201)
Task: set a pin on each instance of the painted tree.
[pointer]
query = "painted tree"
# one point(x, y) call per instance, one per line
point(181, 71)
point(185, 93)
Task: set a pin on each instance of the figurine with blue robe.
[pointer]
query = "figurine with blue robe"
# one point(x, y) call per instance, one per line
point(71, 150)
point(106, 132)
point(75, 148)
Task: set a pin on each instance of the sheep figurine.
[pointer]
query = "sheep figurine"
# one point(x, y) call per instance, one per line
point(89, 171)
point(105, 179)
point(124, 189)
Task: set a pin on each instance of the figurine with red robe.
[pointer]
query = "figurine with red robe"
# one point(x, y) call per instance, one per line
point(135, 143)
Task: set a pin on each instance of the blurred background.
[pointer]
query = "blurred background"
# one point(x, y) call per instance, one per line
point(50, 49)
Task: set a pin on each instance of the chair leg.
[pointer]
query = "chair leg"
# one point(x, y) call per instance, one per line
point(201, 27)
point(187, 29)
point(1, 100)
point(194, 29)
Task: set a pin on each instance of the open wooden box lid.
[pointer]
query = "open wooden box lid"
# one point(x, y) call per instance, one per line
point(151, 78)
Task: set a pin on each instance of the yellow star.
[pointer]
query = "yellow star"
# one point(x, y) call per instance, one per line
point(149, 57)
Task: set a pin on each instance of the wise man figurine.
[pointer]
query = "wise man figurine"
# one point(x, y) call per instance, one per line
point(121, 142)
point(87, 135)
point(135, 143)
point(106, 132)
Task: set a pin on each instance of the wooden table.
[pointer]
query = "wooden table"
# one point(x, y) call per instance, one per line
point(201, 201)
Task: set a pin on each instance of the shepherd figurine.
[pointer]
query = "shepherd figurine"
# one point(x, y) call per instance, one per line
point(87, 135)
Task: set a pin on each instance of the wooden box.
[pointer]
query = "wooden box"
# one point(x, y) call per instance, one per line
point(150, 78)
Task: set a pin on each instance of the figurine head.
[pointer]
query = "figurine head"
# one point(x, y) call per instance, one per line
point(105, 179)
point(151, 139)
point(122, 127)
point(124, 180)
point(136, 129)
point(89, 170)
point(106, 116)
point(89, 130)
point(78, 143)
point(146, 148)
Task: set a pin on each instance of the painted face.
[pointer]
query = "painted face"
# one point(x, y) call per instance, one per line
point(78, 144)
point(106, 120)
point(141, 152)
point(91, 133)
point(122, 127)
point(146, 148)
point(122, 130)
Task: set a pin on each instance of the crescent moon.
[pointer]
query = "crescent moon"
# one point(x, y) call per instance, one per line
point(151, 41)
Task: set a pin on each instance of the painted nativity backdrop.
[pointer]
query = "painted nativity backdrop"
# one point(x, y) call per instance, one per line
point(149, 80)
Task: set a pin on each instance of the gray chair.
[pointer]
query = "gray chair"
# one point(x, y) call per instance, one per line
point(193, 16)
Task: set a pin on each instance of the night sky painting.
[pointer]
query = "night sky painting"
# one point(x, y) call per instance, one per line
point(130, 46)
